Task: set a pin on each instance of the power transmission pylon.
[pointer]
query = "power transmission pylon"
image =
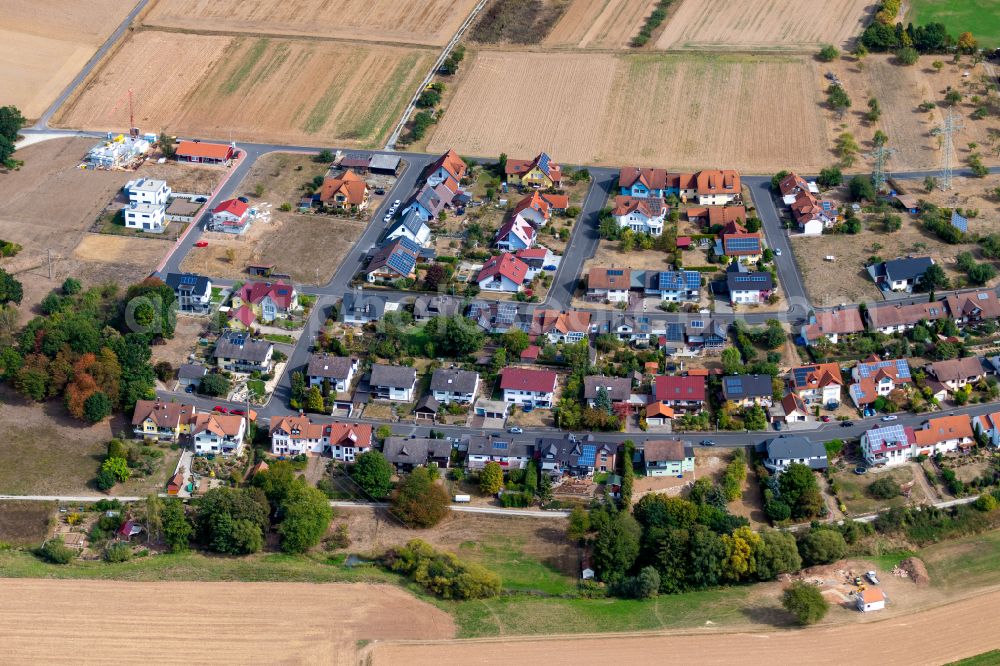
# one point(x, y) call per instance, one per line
point(946, 131)
point(881, 155)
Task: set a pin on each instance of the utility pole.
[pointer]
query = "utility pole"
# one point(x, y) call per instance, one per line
point(946, 132)
point(48, 255)
point(881, 155)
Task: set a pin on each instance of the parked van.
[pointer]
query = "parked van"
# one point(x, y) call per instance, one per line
point(463, 499)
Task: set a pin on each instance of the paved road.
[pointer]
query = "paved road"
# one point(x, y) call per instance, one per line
point(462, 508)
point(43, 121)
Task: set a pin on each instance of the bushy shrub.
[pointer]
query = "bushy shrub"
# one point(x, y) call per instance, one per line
point(884, 489)
point(55, 551)
point(442, 573)
point(118, 552)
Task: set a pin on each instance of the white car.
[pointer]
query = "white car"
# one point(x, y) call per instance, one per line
point(387, 217)
point(872, 577)
point(777, 251)
point(891, 417)
point(395, 204)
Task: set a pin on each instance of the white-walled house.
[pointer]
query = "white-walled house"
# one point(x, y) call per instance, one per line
point(220, 434)
point(393, 382)
point(528, 387)
point(148, 191)
point(145, 217)
point(888, 445)
point(335, 371)
point(450, 385)
point(295, 435)
point(644, 215)
point(787, 449)
point(988, 424)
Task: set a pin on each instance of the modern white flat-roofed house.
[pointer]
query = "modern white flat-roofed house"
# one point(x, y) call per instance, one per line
point(450, 385)
point(788, 449)
point(145, 217)
point(193, 292)
point(148, 191)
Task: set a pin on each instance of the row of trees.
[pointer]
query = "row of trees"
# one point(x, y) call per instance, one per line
point(11, 122)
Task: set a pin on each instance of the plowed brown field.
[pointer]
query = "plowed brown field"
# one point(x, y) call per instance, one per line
point(44, 48)
point(678, 111)
point(285, 91)
point(606, 24)
point(763, 24)
point(102, 622)
point(431, 22)
point(940, 635)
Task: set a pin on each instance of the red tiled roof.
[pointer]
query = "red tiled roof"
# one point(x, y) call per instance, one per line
point(839, 322)
point(556, 201)
point(243, 314)
point(215, 151)
point(944, 428)
point(670, 387)
point(534, 201)
point(280, 292)
point(452, 163)
point(571, 321)
point(233, 206)
point(648, 206)
point(816, 376)
point(714, 181)
point(653, 179)
point(601, 277)
point(531, 353)
point(792, 183)
point(523, 379)
point(505, 264)
point(350, 185)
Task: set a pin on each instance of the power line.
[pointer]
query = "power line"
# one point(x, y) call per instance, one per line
point(951, 125)
point(881, 155)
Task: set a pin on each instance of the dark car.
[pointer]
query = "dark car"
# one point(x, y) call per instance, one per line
point(243, 199)
point(847, 424)
point(189, 389)
point(707, 442)
point(380, 191)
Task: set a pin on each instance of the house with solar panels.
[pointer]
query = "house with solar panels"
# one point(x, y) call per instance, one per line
point(748, 287)
point(744, 246)
point(193, 292)
point(889, 445)
point(972, 308)
point(239, 352)
point(609, 284)
point(901, 274)
point(817, 384)
point(540, 173)
point(500, 449)
point(634, 329)
point(676, 286)
point(747, 390)
point(391, 262)
point(706, 335)
point(643, 215)
point(875, 378)
point(497, 317)
point(410, 226)
point(573, 456)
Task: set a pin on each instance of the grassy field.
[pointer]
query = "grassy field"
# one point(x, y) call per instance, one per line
point(24, 523)
point(991, 658)
point(964, 563)
point(853, 489)
point(980, 17)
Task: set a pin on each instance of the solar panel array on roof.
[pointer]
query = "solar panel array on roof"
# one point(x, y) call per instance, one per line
point(733, 384)
point(959, 222)
point(752, 277)
point(675, 332)
point(588, 454)
point(409, 244)
point(697, 323)
point(615, 272)
point(801, 374)
point(499, 446)
point(742, 243)
point(543, 163)
point(189, 279)
point(401, 262)
point(506, 313)
point(869, 369)
point(983, 296)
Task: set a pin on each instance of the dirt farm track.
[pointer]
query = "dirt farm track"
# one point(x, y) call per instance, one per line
point(936, 636)
point(102, 622)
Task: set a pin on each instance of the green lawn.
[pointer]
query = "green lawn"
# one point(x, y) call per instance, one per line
point(256, 385)
point(964, 563)
point(853, 489)
point(279, 338)
point(519, 572)
point(980, 17)
point(991, 658)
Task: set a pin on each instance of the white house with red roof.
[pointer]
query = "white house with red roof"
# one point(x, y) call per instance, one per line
point(888, 445)
point(204, 153)
point(294, 435)
point(716, 187)
point(643, 215)
point(522, 386)
point(231, 216)
point(534, 208)
point(875, 378)
point(448, 168)
point(268, 300)
point(515, 234)
point(503, 272)
point(817, 384)
point(686, 393)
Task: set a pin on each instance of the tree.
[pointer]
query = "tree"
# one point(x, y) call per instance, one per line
point(97, 407)
point(847, 147)
point(861, 188)
point(828, 53)
point(434, 277)
point(830, 177)
point(314, 400)
point(953, 97)
point(419, 501)
point(822, 546)
point(455, 336)
point(276, 482)
point(55, 551)
point(118, 467)
point(755, 418)
point(777, 178)
point(491, 479)
point(934, 279)
point(324, 156)
point(11, 122)
point(732, 362)
point(71, 286)
point(981, 273)
point(880, 138)
point(966, 42)
point(515, 341)
point(373, 473)
point(167, 145)
point(10, 289)
point(177, 529)
point(985, 503)
point(874, 110)
point(838, 99)
point(579, 524)
point(884, 489)
point(602, 400)
point(617, 546)
point(805, 602)
point(305, 515)
point(742, 547)
point(105, 479)
point(907, 55)
point(800, 491)
point(778, 554)
point(232, 521)
point(214, 384)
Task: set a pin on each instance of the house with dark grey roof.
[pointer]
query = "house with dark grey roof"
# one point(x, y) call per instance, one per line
point(746, 390)
point(191, 374)
point(335, 372)
point(359, 308)
point(901, 274)
point(193, 292)
point(236, 351)
point(452, 385)
point(393, 382)
point(575, 456)
point(410, 226)
point(636, 329)
point(706, 335)
point(428, 307)
point(407, 453)
point(748, 287)
point(619, 388)
point(500, 449)
point(787, 449)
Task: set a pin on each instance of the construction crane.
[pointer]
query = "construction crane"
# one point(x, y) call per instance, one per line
point(946, 132)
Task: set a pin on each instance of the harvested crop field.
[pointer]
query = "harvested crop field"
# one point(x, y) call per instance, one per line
point(53, 621)
point(935, 636)
point(45, 48)
point(24, 523)
point(605, 24)
point(657, 110)
point(280, 90)
point(763, 24)
point(49, 204)
point(431, 22)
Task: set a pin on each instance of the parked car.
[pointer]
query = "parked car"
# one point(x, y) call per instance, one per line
point(515, 430)
point(189, 389)
point(777, 425)
point(201, 244)
point(826, 419)
point(237, 412)
point(872, 577)
point(380, 191)
point(243, 199)
point(388, 216)
point(847, 424)
point(777, 251)
point(707, 442)
point(221, 410)
point(890, 417)
point(395, 204)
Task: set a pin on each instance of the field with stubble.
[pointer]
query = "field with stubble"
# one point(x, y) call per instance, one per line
point(430, 22)
point(677, 111)
point(763, 24)
point(281, 90)
point(100, 622)
point(605, 24)
point(44, 48)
